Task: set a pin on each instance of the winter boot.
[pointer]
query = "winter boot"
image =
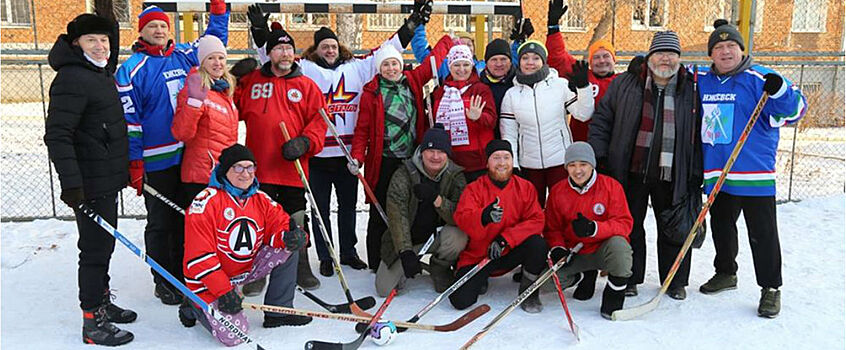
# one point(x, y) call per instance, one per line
point(613, 296)
point(532, 304)
point(285, 320)
point(631, 290)
point(116, 314)
point(586, 286)
point(770, 303)
point(305, 278)
point(677, 293)
point(327, 269)
point(442, 275)
point(96, 329)
point(186, 314)
point(353, 261)
point(167, 295)
point(720, 282)
point(255, 287)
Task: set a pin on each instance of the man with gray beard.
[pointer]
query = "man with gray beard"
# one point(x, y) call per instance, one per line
point(644, 133)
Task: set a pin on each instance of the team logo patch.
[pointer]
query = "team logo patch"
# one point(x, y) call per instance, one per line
point(724, 36)
point(228, 213)
point(198, 206)
point(242, 234)
point(599, 209)
point(295, 95)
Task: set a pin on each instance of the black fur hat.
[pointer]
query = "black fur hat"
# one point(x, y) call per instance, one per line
point(87, 23)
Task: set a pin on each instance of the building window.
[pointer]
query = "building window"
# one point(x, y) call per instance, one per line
point(650, 14)
point(456, 23)
point(308, 20)
point(809, 16)
point(384, 22)
point(574, 19)
point(14, 12)
point(237, 20)
point(122, 14)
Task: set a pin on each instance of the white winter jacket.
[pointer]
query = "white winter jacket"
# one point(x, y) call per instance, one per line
point(534, 120)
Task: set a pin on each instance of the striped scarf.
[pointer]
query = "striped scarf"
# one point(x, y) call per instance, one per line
point(400, 118)
point(643, 155)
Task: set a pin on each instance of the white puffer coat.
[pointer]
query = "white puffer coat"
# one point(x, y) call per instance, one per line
point(534, 120)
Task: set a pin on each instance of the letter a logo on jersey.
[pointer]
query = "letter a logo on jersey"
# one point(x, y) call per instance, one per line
point(242, 237)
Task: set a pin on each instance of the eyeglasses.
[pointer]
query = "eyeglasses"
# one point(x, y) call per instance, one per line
point(240, 169)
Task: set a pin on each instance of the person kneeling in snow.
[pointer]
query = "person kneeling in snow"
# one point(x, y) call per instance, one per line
point(591, 209)
point(235, 234)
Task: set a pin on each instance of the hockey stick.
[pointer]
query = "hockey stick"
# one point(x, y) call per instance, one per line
point(430, 97)
point(364, 303)
point(573, 327)
point(356, 309)
point(166, 274)
point(319, 345)
point(367, 190)
point(456, 324)
point(164, 199)
point(522, 297)
point(628, 314)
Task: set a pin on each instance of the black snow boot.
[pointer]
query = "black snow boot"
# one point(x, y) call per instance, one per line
point(285, 320)
point(187, 316)
point(532, 304)
point(613, 296)
point(168, 295)
point(116, 314)
point(96, 329)
point(586, 286)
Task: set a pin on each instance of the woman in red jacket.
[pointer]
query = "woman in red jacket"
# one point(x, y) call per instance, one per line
point(206, 119)
point(391, 122)
point(466, 108)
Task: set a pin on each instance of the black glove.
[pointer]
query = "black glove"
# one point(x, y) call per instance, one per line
point(497, 246)
point(295, 238)
point(772, 83)
point(557, 9)
point(295, 148)
point(410, 263)
point(420, 14)
point(583, 227)
point(258, 24)
point(243, 67)
point(427, 191)
point(492, 213)
point(579, 77)
point(558, 252)
point(636, 65)
point(523, 29)
point(230, 302)
point(73, 197)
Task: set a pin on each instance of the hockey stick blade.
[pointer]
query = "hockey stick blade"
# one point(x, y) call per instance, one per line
point(631, 313)
point(345, 308)
point(321, 345)
point(455, 325)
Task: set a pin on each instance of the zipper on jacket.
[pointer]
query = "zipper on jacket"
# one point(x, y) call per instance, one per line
point(106, 140)
point(537, 119)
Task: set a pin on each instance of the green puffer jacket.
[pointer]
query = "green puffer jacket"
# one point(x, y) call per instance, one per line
point(401, 203)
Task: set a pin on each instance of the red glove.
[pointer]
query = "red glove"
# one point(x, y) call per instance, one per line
point(136, 175)
point(217, 7)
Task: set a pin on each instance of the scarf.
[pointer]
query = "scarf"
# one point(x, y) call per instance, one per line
point(400, 118)
point(156, 50)
point(533, 78)
point(219, 180)
point(451, 114)
point(220, 85)
point(663, 131)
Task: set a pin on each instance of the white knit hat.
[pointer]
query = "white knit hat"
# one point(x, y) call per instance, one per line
point(207, 45)
point(459, 53)
point(386, 52)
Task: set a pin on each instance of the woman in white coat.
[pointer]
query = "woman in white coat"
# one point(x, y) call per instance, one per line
point(534, 116)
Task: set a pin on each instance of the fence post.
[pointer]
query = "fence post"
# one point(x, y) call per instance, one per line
point(793, 149)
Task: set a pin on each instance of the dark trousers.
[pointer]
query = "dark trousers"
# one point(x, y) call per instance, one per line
point(321, 180)
point(531, 254)
point(164, 235)
point(292, 199)
point(375, 225)
point(637, 196)
point(544, 179)
point(762, 228)
point(95, 251)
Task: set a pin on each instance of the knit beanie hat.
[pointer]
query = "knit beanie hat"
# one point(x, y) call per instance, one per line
point(87, 23)
point(152, 13)
point(601, 44)
point(580, 151)
point(208, 45)
point(724, 31)
point(275, 25)
point(234, 154)
point(497, 47)
point(498, 145)
point(386, 52)
point(532, 46)
point(277, 37)
point(324, 33)
point(436, 138)
point(459, 53)
point(665, 41)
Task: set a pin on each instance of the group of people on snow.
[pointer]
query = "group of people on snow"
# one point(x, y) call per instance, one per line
point(512, 161)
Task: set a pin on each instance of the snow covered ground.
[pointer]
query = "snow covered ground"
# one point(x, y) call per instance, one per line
point(40, 308)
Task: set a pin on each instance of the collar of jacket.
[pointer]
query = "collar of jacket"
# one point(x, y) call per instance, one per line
point(488, 79)
point(64, 53)
point(322, 63)
point(417, 160)
point(153, 50)
point(582, 190)
point(296, 71)
point(218, 180)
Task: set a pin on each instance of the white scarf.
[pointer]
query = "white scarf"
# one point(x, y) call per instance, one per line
point(451, 114)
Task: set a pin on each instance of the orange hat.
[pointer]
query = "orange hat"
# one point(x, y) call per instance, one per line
point(601, 44)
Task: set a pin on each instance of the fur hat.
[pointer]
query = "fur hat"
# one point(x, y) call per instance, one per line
point(87, 23)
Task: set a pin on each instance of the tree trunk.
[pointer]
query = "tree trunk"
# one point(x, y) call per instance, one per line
point(349, 30)
point(602, 27)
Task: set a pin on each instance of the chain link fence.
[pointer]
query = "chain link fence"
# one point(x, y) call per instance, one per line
point(811, 157)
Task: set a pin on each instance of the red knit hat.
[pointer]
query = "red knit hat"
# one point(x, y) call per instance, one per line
point(152, 13)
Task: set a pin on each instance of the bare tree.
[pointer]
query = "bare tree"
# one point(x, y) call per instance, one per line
point(604, 24)
point(349, 30)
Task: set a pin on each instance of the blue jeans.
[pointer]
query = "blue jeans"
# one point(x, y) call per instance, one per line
point(323, 174)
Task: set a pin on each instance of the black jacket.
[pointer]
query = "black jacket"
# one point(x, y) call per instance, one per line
point(616, 121)
point(498, 89)
point(86, 133)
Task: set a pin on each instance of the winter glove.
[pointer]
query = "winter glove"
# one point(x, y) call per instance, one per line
point(73, 197)
point(772, 83)
point(295, 148)
point(496, 248)
point(243, 67)
point(354, 167)
point(196, 91)
point(420, 14)
point(579, 77)
point(636, 65)
point(258, 24)
point(230, 302)
point(295, 238)
point(136, 175)
point(217, 7)
point(410, 263)
point(427, 191)
point(583, 227)
point(557, 9)
point(558, 252)
point(523, 29)
point(492, 213)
